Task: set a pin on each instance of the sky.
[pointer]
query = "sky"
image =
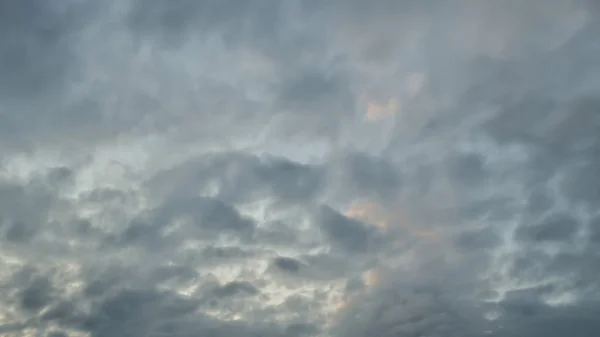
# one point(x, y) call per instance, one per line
point(299, 168)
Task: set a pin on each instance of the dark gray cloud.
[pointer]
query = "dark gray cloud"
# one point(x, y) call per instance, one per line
point(31, 28)
point(235, 288)
point(287, 264)
point(39, 61)
point(242, 177)
point(476, 240)
point(56, 334)
point(555, 227)
point(233, 20)
point(347, 234)
point(299, 168)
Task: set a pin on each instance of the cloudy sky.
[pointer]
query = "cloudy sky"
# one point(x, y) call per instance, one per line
point(299, 168)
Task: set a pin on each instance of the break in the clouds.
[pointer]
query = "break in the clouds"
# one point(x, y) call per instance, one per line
point(299, 168)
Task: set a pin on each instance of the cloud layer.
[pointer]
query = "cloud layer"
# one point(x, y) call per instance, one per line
point(299, 168)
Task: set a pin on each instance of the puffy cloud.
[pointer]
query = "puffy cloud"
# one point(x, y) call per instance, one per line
point(299, 168)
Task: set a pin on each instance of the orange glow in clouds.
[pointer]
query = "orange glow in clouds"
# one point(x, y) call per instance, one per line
point(372, 277)
point(369, 213)
point(375, 215)
point(376, 111)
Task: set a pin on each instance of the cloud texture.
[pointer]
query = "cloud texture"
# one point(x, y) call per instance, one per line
point(299, 168)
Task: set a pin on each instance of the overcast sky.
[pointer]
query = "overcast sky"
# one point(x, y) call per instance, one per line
point(300, 168)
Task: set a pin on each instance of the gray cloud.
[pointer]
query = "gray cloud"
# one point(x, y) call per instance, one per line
point(287, 264)
point(299, 168)
point(556, 227)
point(39, 62)
point(30, 28)
point(347, 234)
